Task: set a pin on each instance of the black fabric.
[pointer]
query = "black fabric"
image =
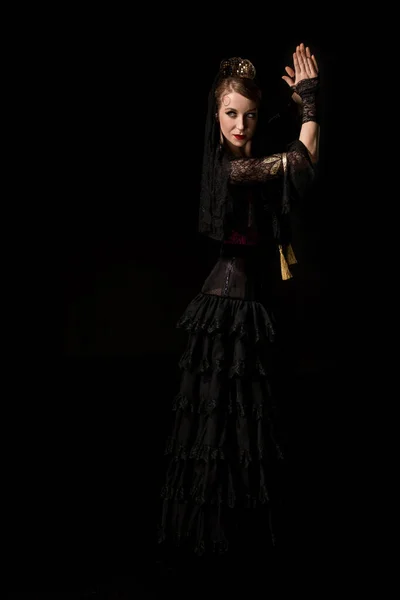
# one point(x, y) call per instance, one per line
point(222, 449)
point(225, 207)
point(275, 189)
point(214, 175)
point(308, 91)
point(223, 453)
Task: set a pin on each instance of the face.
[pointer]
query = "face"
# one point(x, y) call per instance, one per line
point(237, 117)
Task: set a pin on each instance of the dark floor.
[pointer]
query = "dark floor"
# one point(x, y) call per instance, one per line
point(84, 487)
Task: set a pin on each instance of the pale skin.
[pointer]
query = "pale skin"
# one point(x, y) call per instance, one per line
point(238, 115)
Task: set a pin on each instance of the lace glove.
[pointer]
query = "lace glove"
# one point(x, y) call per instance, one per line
point(308, 89)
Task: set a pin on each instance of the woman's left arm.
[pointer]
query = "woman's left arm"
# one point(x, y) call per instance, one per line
point(304, 82)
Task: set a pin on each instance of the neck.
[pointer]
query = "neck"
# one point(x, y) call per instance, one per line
point(234, 150)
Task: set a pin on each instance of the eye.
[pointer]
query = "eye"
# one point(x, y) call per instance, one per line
point(232, 113)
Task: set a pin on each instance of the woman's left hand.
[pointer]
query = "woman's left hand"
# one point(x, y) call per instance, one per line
point(305, 67)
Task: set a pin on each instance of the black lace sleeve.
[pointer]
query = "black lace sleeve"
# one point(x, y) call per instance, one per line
point(295, 162)
point(300, 171)
point(256, 170)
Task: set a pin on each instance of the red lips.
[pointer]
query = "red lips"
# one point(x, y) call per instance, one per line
point(239, 137)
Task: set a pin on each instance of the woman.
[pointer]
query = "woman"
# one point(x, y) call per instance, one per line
point(222, 450)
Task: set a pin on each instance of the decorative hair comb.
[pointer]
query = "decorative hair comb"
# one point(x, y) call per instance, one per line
point(237, 67)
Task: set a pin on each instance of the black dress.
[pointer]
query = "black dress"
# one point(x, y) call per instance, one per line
point(222, 453)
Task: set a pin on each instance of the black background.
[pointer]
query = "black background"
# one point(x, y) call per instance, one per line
point(131, 122)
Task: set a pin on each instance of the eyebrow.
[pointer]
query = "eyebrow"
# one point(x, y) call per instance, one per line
point(247, 111)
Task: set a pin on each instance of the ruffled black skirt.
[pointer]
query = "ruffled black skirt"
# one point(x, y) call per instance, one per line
point(222, 453)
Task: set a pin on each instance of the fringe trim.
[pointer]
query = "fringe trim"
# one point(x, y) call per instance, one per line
point(287, 258)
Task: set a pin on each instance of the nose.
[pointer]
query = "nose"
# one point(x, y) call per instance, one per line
point(239, 124)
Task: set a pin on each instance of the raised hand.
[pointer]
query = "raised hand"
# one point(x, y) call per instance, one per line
point(305, 67)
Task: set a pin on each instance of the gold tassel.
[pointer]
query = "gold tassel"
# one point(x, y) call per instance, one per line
point(290, 257)
point(286, 274)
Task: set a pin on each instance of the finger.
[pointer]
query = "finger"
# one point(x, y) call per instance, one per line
point(296, 63)
point(314, 62)
point(289, 71)
point(301, 58)
point(308, 63)
point(312, 69)
point(288, 80)
point(303, 55)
